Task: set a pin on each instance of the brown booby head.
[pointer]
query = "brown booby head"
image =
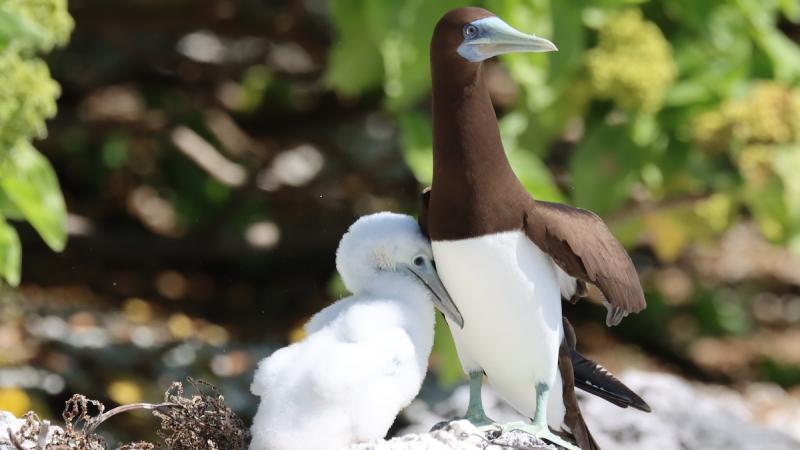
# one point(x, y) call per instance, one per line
point(470, 165)
point(464, 37)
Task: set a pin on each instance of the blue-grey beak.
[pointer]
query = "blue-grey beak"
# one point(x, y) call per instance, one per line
point(495, 37)
point(426, 273)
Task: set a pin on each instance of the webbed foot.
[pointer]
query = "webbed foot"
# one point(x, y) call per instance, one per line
point(482, 422)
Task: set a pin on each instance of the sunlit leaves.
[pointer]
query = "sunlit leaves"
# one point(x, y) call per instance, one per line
point(528, 166)
point(775, 199)
point(783, 53)
point(355, 63)
point(529, 70)
point(604, 168)
point(13, 26)
point(632, 63)
point(418, 145)
point(27, 98)
point(29, 182)
point(10, 253)
point(445, 357)
point(44, 24)
point(384, 45)
point(28, 185)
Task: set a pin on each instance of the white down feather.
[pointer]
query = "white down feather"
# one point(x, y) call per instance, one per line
point(364, 357)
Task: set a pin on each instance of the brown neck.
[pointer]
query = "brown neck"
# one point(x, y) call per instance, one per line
point(466, 138)
point(472, 177)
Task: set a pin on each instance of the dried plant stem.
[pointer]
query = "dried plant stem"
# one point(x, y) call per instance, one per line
point(124, 408)
point(43, 431)
point(13, 438)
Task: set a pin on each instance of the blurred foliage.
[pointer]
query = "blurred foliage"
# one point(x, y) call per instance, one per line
point(760, 133)
point(624, 42)
point(28, 186)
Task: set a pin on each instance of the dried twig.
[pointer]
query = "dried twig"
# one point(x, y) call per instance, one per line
point(14, 441)
point(103, 416)
point(201, 422)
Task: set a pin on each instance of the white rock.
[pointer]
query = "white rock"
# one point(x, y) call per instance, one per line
point(9, 422)
point(458, 435)
point(685, 417)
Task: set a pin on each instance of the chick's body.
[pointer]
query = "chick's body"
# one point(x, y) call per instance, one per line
point(364, 359)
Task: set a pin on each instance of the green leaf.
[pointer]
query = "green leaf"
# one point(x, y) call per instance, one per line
point(405, 45)
point(529, 70)
point(604, 168)
point(29, 181)
point(535, 176)
point(14, 27)
point(8, 209)
point(417, 141)
point(10, 253)
point(782, 51)
point(445, 357)
point(527, 165)
point(355, 65)
point(569, 35)
point(790, 10)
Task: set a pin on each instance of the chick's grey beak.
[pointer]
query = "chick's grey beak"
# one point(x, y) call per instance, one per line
point(426, 273)
point(498, 38)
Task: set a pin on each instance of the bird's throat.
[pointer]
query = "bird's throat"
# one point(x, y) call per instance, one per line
point(466, 137)
point(471, 173)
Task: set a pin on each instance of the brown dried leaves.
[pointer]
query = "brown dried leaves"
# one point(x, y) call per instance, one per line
point(199, 422)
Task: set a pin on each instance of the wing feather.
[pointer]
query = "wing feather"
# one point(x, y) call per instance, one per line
point(582, 245)
point(595, 379)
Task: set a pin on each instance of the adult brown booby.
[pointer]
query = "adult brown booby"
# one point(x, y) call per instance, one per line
point(505, 258)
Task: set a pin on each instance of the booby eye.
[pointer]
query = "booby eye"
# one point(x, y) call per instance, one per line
point(470, 31)
point(419, 261)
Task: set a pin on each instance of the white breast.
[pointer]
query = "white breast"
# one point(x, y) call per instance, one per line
point(508, 292)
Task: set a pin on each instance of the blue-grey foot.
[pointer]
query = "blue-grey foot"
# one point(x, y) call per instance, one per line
point(542, 431)
point(475, 413)
point(539, 427)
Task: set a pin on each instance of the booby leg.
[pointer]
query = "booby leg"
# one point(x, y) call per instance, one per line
point(539, 426)
point(475, 413)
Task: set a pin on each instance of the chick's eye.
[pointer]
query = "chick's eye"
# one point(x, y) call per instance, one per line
point(419, 261)
point(470, 31)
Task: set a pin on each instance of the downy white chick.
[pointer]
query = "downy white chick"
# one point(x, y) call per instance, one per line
point(365, 356)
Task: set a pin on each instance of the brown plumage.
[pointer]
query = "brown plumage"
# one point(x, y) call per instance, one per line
point(579, 371)
point(475, 191)
point(582, 245)
point(573, 417)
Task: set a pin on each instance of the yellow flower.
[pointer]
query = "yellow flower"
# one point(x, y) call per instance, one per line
point(15, 401)
point(632, 63)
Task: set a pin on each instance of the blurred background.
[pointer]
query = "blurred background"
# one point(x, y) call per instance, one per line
point(178, 212)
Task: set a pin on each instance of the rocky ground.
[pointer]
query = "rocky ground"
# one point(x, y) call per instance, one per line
point(685, 417)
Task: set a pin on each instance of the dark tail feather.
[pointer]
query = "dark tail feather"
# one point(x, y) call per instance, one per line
point(583, 437)
point(595, 379)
